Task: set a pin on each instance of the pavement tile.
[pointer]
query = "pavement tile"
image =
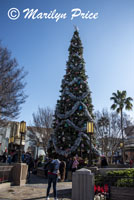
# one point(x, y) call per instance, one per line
point(36, 190)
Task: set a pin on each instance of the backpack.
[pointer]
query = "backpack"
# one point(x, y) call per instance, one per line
point(51, 167)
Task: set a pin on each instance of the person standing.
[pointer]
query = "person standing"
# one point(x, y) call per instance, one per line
point(69, 163)
point(47, 161)
point(4, 157)
point(9, 159)
point(75, 164)
point(53, 170)
point(62, 170)
point(104, 162)
point(131, 163)
point(29, 161)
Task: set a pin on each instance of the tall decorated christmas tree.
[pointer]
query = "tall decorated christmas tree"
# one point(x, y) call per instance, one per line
point(74, 108)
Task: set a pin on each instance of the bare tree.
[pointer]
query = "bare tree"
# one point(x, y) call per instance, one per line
point(41, 129)
point(11, 86)
point(108, 130)
point(103, 126)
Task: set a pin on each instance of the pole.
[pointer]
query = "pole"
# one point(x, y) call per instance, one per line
point(90, 159)
point(20, 149)
point(123, 152)
point(37, 152)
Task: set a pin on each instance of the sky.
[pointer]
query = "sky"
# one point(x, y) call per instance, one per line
point(41, 46)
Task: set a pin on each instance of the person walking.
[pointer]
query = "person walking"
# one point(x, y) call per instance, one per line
point(53, 169)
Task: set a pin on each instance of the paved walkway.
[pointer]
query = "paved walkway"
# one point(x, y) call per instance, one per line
point(36, 190)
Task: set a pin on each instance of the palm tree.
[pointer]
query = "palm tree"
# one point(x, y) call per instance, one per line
point(120, 102)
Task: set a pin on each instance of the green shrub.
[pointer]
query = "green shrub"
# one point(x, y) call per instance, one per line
point(125, 182)
point(119, 178)
point(122, 178)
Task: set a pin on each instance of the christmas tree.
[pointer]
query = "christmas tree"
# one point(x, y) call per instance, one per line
point(74, 108)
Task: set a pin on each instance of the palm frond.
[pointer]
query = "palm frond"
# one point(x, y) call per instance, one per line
point(120, 101)
point(114, 106)
point(124, 94)
point(118, 110)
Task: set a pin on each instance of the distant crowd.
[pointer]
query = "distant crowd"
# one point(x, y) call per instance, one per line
point(66, 165)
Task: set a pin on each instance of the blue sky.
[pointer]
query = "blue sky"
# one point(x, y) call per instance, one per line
point(41, 46)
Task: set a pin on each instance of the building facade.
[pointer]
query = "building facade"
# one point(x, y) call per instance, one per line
point(10, 140)
point(129, 142)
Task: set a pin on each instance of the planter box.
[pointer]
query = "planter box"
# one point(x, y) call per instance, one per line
point(19, 174)
point(122, 193)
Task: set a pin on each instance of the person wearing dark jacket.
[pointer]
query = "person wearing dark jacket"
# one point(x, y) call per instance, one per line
point(62, 170)
point(52, 178)
point(104, 162)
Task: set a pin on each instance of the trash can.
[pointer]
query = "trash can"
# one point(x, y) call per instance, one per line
point(83, 185)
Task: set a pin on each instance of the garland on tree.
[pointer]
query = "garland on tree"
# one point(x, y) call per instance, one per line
point(75, 146)
point(74, 109)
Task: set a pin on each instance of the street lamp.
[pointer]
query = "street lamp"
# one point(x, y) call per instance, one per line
point(122, 146)
point(90, 130)
point(22, 133)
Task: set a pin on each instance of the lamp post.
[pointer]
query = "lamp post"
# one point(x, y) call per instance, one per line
point(22, 133)
point(38, 145)
point(90, 130)
point(122, 152)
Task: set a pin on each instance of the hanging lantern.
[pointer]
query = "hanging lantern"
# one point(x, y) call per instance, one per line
point(90, 127)
point(23, 127)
